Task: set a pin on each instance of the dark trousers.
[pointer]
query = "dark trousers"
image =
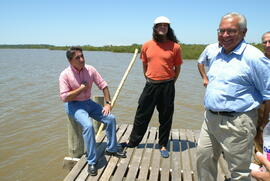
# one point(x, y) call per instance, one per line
point(161, 96)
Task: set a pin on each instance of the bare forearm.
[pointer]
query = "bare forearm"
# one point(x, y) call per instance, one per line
point(202, 71)
point(266, 110)
point(144, 69)
point(177, 72)
point(106, 94)
point(74, 93)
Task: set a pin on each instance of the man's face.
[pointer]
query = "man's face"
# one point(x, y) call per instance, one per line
point(266, 43)
point(162, 28)
point(78, 60)
point(230, 34)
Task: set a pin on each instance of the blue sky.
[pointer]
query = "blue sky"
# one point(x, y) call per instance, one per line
point(122, 22)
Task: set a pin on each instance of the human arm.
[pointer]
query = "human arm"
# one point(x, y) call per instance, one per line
point(144, 69)
point(74, 93)
point(69, 90)
point(177, 70)
point(203, 74)
point(266, 111)
point(262, 175)
point(107, 107)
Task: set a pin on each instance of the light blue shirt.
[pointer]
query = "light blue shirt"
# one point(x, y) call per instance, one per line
point(238, 81)
point(208, 53)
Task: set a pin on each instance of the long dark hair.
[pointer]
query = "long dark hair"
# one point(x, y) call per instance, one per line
point(170, 35)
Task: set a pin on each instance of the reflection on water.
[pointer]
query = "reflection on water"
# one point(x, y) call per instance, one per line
point(33, 133)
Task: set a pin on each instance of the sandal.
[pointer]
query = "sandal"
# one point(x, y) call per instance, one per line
point(164, 153)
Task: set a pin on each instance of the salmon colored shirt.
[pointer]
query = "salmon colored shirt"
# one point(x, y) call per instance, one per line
point(161, 59)
point(71, 79)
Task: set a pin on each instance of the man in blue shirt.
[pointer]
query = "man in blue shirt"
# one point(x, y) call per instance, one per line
point(239, 81)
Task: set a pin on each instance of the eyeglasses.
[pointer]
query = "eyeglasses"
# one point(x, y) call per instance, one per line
point(265, 42)
point(229, 31)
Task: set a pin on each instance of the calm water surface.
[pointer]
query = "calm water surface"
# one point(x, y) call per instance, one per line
point(33, 132)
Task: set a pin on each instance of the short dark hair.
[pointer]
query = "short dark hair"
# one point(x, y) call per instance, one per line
point(71, 51)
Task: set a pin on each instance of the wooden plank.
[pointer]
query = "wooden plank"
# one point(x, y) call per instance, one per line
point(144, 168)
point(176, 162)
point(192, 152)
point(69, 162)
point(113, 161)
point(136, 159)
point(99, 150)
point(165, 165)
point(155, 163)
point(123, 164)
point(73, 174)
point(185, 156)
point(104, 159)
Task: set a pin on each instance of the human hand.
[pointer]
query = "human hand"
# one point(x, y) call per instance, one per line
point(84, 85)
point(262, 175)
point(106, 109)
point(205, 82)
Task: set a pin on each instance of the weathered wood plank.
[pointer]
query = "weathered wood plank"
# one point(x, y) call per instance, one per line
point(166, 165)
point(175, 154)
point(103, 160)
point(113, 161)
point(123, 164)
point(155, 163)
point(185, 156)
point(192, 153)
point(144, 168)
point(100, 149)
point(136, 159)
point(76, 170)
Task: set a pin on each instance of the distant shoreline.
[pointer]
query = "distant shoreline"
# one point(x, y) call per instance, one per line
point(190, 51)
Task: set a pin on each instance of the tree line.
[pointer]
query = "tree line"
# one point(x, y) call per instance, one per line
point(189, 51)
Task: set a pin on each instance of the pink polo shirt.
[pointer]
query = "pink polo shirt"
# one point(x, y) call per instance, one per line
point(71, 79)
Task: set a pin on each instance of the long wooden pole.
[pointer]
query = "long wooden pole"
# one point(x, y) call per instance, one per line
point(120, 86)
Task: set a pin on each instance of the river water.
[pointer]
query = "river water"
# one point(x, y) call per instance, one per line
point(33, 132)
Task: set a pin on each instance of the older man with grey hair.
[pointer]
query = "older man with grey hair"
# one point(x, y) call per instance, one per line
point(237, 86)
point(266, 44)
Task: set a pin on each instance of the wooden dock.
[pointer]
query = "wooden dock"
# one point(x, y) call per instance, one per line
point(144, 162)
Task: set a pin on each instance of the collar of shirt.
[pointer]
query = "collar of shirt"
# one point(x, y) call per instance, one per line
point(75, 70)
point(238, 50)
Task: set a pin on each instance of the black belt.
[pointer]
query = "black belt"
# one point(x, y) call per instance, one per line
point(158, 81)
point(223, 113)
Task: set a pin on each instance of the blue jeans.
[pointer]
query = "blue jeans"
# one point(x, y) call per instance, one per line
point(80, 111)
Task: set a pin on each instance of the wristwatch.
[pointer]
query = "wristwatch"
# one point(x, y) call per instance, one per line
point(108, 102)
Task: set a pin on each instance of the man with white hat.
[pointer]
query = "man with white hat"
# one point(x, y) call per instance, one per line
point(162, 59)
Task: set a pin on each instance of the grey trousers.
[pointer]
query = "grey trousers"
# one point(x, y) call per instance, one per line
point(232, 135)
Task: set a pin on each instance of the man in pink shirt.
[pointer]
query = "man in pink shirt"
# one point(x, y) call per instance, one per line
point(75, 84)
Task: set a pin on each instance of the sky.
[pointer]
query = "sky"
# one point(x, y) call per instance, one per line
point(122, 22)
